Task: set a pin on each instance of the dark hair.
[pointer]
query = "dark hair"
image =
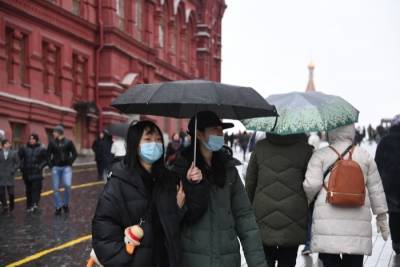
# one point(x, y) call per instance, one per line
point(34, 136)
point(4, 141)
point(135, 133)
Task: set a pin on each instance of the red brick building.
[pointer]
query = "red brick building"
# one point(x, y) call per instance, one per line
point(64, 61)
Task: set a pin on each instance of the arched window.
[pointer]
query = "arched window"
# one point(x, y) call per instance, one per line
point(139, 19)
point(121, 14)
point(161, 33)
point(175, 38)
point(191, 44)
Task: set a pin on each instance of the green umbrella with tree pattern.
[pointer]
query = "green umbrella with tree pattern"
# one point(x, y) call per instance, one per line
point(305, 112)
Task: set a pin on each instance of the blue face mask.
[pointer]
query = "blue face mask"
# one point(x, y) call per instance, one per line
point(214, 143)
point(151, 152)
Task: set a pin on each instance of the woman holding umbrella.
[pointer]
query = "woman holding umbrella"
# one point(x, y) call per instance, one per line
point(211, 240)
point(142, 194)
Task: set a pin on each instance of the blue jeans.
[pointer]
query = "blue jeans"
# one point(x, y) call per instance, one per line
point(64, 174)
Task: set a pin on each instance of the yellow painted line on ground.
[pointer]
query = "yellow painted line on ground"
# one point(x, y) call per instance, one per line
point(17, 178)
point(48, 251)
point(62, 189)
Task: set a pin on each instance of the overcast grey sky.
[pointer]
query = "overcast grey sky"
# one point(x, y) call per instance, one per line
point(355, 45)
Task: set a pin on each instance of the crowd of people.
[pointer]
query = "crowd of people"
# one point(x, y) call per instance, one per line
point(194, 213)
point(192, 208)
point(31, 159)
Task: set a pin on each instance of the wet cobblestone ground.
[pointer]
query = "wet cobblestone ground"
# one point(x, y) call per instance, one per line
point(23, 234)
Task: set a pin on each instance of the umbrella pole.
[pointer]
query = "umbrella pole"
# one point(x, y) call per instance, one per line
point(195, 139)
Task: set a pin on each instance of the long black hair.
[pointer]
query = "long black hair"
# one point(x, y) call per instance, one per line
point(132, 158)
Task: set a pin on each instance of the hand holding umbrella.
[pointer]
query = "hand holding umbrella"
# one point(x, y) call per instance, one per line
point(194, 174)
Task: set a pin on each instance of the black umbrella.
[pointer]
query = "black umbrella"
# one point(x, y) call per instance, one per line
point(184, 99)
point(118, 129)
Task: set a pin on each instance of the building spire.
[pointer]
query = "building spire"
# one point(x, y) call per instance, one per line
point(310, 85)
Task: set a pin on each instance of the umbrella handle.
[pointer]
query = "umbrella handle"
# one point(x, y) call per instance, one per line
point(195, 140)
point(276, 121)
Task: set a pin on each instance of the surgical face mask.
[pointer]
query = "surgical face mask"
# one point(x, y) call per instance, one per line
point(151, 152)
point(214, 143)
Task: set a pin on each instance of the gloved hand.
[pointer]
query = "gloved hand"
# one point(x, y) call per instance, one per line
point(382, 225)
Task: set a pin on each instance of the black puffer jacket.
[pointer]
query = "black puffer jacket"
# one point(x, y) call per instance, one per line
point(61, 152)
point(387, 158)
point(33, 159)
point(102, 150)
point(124, 201)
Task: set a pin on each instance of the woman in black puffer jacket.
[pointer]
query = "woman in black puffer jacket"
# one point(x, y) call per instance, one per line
point(141, 188)
point(33, 158)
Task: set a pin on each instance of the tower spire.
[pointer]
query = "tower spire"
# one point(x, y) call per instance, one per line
point(310, 85)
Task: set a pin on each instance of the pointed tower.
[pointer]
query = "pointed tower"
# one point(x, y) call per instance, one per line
point(310, 85)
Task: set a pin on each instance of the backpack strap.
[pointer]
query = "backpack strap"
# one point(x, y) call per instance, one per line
point(337, 153)
point(351, 151)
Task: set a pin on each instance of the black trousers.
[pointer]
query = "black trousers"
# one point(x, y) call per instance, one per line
point(100, 169)
point(3, 195)
point(347, 260)
point(33, 189)
point(394, 224)
point(286, 256)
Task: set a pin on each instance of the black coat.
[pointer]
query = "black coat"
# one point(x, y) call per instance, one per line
point(102, 151)
point(123, 203)
point(61, 152)
point(33, 159)
point(387, 158)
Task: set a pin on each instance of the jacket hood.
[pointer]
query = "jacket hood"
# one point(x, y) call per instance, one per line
point(122, 172)
point(395, 129)
point(342, 134)
point(286, 139)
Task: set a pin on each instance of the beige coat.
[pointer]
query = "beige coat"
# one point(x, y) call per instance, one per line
point(338, 230)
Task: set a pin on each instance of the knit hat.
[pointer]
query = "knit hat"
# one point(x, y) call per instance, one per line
point(396, 120)
point(59, 129)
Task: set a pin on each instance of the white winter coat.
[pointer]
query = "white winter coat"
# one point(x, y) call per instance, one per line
point(338, 230)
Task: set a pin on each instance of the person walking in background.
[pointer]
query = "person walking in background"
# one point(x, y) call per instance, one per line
point(274, 184)
point(387, 158)
point(360, 134)
point(61, 154)
point(212, 239)
point(9, 165)
point(343, 235)
point(102, 151)
point(172, 150)
point(243, 142)
point(118, 149)
point(33, 158)
point(231, 140)
point(380, 133)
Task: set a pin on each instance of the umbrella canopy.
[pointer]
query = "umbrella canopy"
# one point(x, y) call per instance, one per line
point(184, 99)
point(305, 112)
point(118, 129)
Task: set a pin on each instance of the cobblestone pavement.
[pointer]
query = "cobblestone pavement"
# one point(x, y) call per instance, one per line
point(23, 234)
